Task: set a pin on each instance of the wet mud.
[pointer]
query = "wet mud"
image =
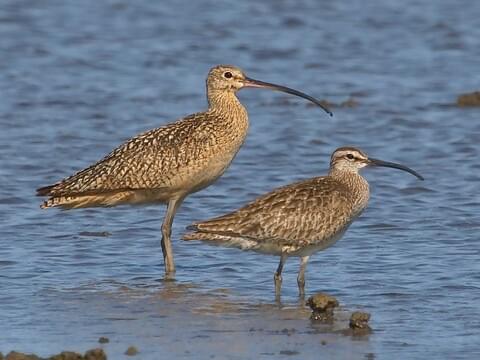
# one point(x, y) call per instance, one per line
point(93, 354)
point(214, 320)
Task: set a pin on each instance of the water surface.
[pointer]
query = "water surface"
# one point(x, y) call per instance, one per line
point(79, 78)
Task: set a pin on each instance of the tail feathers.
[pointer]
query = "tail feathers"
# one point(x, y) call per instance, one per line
point(201, 236)
point(75, 201)
point(65, 202)
point(222, 240)
point(225, 224)
point(46, 190)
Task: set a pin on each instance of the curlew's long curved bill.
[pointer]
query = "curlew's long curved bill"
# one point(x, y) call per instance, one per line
point(376, 162)
point(248, 82)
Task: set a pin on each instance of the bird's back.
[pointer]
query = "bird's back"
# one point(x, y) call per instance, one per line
point(180, 156)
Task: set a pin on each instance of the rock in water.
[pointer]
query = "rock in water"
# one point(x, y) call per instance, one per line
point(131, 351)
point(469, 99)
point(359, 323)
point(95, 354)
point(322, 306)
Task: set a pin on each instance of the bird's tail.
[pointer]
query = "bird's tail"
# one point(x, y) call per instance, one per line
point(75, 201)
point(220, 239)
point(46, 190)
point(69, 202)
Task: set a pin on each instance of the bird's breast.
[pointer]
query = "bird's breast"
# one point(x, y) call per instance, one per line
point(213, 153)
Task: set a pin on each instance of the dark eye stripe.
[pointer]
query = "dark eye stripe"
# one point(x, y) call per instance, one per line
point(350, 156)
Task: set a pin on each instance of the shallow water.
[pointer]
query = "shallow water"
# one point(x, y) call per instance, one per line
point(78, 78)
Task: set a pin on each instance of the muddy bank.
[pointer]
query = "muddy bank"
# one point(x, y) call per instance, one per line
point(93, 354)
point(186, 321)
point(469, 99)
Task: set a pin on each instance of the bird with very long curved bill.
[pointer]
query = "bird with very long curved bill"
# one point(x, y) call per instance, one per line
point(166, 164)
point(298, 219)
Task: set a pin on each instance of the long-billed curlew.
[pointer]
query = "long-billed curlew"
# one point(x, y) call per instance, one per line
point(168, 163)
point(298, 219)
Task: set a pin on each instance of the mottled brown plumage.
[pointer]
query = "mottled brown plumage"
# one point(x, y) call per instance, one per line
point(160, 163)
point(168, 163)
point(298, 219)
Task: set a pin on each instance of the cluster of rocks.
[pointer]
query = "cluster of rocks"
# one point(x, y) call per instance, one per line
point(323, 306)
point(93, 354)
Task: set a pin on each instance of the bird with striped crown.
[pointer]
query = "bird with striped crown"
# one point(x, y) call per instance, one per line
point(299, 219)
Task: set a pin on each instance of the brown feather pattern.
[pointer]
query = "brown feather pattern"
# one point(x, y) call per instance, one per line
point(168, 158)
point(295, 216)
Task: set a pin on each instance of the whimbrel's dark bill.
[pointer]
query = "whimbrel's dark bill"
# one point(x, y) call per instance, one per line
point(376, 162)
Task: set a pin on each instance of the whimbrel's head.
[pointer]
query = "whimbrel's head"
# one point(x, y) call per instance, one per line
point(352, 160)
point(229, 78)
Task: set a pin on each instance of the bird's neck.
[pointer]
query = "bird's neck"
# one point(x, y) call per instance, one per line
point(357, 185)
point(227, 104)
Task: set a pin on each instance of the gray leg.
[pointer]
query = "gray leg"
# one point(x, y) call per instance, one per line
point(172, 208)
point(277, 277)
point(301, 276)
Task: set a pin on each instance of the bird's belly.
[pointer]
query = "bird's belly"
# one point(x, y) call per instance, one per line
point(204, 166)
point(274, 248)
point(315, 246)
point(186, 181)
point(205, 175)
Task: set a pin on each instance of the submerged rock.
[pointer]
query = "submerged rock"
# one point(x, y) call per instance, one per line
point(322, 302)
point(359, 320)
point(359, 323)
point(322, 306)
point(131, 351)
point(349, 103)
point(469, 99)
point(95, 354)
point(103, 340)
point(67, 355)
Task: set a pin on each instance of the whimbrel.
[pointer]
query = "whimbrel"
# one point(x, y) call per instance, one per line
point(166, 164)
point(298, 219)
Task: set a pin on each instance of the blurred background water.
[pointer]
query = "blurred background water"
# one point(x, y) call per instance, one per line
point(77, 78)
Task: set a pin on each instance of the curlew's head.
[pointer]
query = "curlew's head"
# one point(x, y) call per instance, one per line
point(351, 159)
point(229, 78)
point(225, 78)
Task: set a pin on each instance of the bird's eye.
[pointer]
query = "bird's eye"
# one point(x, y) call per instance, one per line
point(228, 75)
point(350, 156)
